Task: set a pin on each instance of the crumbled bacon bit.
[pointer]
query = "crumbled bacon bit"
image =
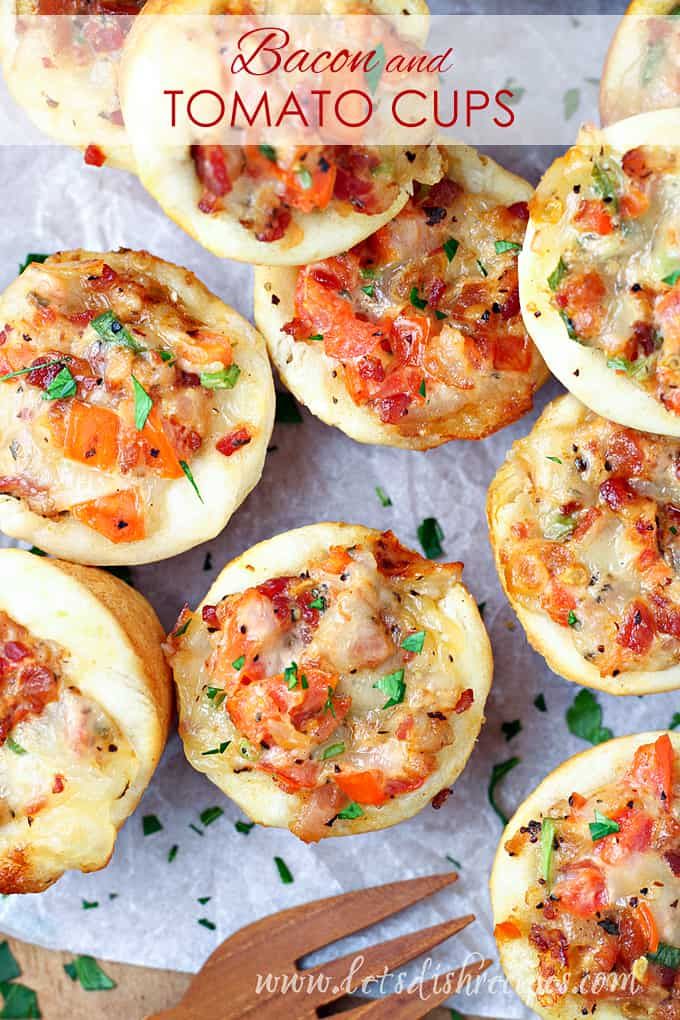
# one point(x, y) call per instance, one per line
point(616, 492)
point(440, 799)
point(94, 156)
point(210, 617)
point(465, 701)
point(233, 441)
point(519, 210)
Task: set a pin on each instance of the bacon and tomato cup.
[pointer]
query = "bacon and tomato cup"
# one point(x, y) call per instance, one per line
point(332, 681)
point(641, 69)
point(414, 336)
point(584, 519)
point(600, 271)
point(584, 886)
point(61, 62)
point(135, 408)
point(84, 712)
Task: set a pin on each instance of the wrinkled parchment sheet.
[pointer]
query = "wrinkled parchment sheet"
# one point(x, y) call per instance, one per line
point(148, 909)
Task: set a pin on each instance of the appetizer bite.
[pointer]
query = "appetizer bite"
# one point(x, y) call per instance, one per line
point(642, 69)
point(273, 204)
point(584, 519)
point(332, 681)
point(61, 61)
point(600, 271)
point(585, 887)
point(135, 408)
point(415, 336)
point(84, 713)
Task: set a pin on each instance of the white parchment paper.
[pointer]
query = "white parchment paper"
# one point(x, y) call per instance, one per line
point(148, 908)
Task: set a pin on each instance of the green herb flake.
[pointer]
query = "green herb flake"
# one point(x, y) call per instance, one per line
point(450, 247)
point(223, 379)
point(498, 772)
point(558, 274)
point(316, 337)
point(284, 871)
point(350, 811)
point(511, 729)
point(19, 1002)
point(573, 620)
point(37, 552)
point(216, 695)
point(416, 300)
point(195, 828)
point(414, 642)
point(287, 411)
point(571, 100)
point(328, 705)
point(269, 152)
point(244, 827)
point(87, 971)
point(422, 389)
point(9, 968)
point(560, 527)
point(143, 404)
point(503, 246)
point(374, 74)
point(181, 631)
point(210, 815)
point(431, 536)
point(440, 315)
point(382, 496)
point(555, 460)
point(62, 386)
point(15, 747)
point(172, 853)
point(210, 925)
point(31, 257)
point(539, 703)
point(151, 824)
point(332, 751)
point(217, 750)
point(672, 278)
point(31, 368)
point(453, 861)
point(393, 686)
point(369, 290)
point(675, 722)
point(605, 185)
point(318, 603)
point(665, 956)
point(190, 478)
point(239, 663)
point(571, 329)
point(482, 268)
point(90, 904)
point(584, 719)
point(112, 330)
point(602, 826)
point(290, 676)
point(203, 900)
point(547, 847)
point(304, 177)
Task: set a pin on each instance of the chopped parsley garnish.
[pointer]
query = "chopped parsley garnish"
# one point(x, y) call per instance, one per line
point(143, 404)
point(374, 75)
point(367, 273)
point(19, 1001)
point(316, 337)
point(63, 385)
point(352, 810)
point(268, 151)
point(181, 630)
point(573, 620)
point(560, 527)
point(9, 968)
point(305, 177)
point(195, 828)
point(31, 368)
point(672, 278)
point(675, 722)
point(558, 274)
point(287, 411)
point(151, 824)
point(223, 379)
point(498, 772)
point(416, 300)
point(571, 100)
point(239, 663)
point(382, 496)
point(290, 676)
point(216, 695)
point(165, 355)
point(602, 826)
point(539, 703)
point(203, 900)
point(111, 329)
point(414, 642)
point(318, 603)
point(329, 706)
point(584, 719)
point(422, 389)
point(218, 750)
point(393, 686)
point(666, 956)
point(440, 315)
point(244, 827)
point(90, 904)
point(571, 329)
point(190, 478)
point(210, 925)
point(31, 257)
point(605, 184)
point(547, 847)
point(482, 268)
point(40, 552)
point(431, 536)
point(332, 751)
point(15, 746)
point(503, 246)
point(450, 247)
point(638, 369)
point(87, 971)
point(284, 871)
point(210, 815)
point(511, 729)
point(369, 289)
point(555, 460)
point(172, 853)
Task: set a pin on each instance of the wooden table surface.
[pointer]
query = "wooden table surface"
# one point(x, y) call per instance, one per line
point(140, 991)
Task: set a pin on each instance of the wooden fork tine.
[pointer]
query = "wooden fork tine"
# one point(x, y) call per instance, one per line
point(414, 1004)
point(377, 960)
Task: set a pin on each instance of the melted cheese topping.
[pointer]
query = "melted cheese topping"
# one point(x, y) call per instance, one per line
point(595, 540)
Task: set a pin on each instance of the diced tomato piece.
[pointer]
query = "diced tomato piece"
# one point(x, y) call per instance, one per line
point(332, 316)
point(511, 353)
point(593, 215)
point(92, 435)
point(666, 615)
point(94, 156)
point(160, 453)
point(408, 336)
point(233, 441)
point(558, 602)
point(464, 701)
point(648, 925)
point(652, 768)
point(624, 453)
point(633, 204)
point(337, 560)
point(581, 889)
point(582, 295)
point(363, 787)
point(118, 517)
point(313, 195)
point(506, 931)
point(213, 173)
point(637, 629)
point(635, 836)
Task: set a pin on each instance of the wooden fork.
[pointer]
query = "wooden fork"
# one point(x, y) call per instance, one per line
point(226, 987)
